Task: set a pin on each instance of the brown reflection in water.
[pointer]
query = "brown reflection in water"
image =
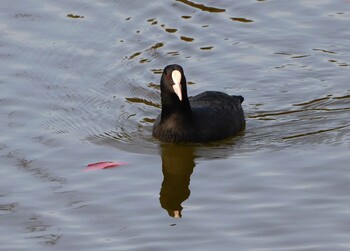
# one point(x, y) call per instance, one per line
point(144, 60)
point(170, 30)
point(156, 46)
point(187, 39)
point(207, 48)
point(241, 19)
point(173, 53)
point(157, 71)
point(152, 51)
point(152, 21)
point(135, 55)
point(74, 16)
point(325, 51)
point(201, 6)
point(177, 166)
point(143, 101)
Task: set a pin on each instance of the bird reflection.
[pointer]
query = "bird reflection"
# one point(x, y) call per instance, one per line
point(177, 166)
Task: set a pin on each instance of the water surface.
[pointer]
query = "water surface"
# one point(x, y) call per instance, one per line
point(80, 84)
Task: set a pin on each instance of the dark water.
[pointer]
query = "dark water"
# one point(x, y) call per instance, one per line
point(79, 84)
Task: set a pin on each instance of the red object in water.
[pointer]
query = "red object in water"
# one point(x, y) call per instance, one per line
point(103, 165)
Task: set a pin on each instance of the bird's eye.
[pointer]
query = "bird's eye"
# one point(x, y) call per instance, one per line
point(167, 76)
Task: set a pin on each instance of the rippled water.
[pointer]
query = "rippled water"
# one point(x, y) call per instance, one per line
point(79, 84)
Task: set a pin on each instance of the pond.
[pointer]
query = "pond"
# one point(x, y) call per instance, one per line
point(80, 84)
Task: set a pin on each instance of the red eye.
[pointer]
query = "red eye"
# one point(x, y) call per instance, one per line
point(167, 76)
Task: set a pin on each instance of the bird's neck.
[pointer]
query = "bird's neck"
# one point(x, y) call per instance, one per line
point(173, 106)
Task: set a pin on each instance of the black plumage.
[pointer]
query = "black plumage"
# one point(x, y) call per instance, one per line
point(209, 116)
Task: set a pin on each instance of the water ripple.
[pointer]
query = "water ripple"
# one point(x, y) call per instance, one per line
point(80, 84)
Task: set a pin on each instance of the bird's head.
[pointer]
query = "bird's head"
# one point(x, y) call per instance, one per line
point(173, 82)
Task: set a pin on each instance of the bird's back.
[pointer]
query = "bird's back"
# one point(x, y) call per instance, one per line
point(217, 115)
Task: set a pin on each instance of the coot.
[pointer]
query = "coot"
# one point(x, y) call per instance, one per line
point(209, 116)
